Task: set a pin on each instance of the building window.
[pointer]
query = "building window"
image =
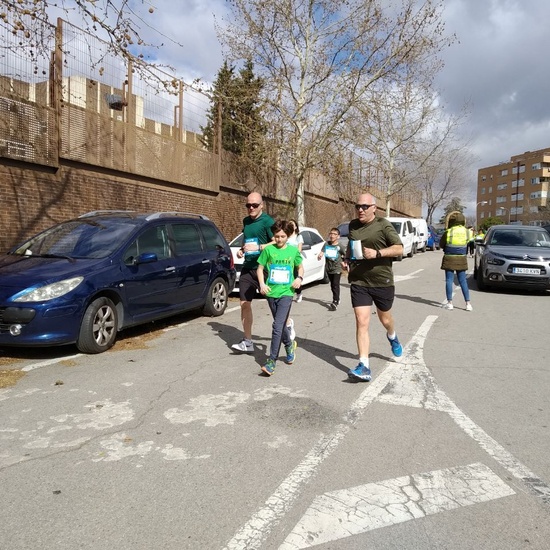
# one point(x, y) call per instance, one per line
point(518, 183)
point(501, 186)
point(536, 166)
point(483, 178)
point(504, 172)
point(490, 190)
point(535, 181)
point(517, 197)
point(501, 199)
point(533, 209)
point(483, 190)
point(518, 210)
point(521, 169)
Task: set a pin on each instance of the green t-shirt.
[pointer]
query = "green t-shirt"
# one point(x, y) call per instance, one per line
point(377, 234)
point(257, 230)
point(279, 264)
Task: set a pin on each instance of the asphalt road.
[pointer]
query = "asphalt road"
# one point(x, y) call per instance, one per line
point(171, 441)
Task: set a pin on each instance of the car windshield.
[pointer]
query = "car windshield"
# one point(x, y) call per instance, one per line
point(520, 238)
point(397, 227)
point(78, 239)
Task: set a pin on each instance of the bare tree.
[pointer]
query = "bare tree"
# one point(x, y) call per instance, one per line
point(319, 58)
point(444, 176)
point(121, 24)
point(404, 131)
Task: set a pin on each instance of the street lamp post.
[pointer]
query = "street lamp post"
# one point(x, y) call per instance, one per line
point(507, 210)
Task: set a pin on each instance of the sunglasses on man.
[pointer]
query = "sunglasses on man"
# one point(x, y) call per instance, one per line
point(252, 204)
point(363, 206)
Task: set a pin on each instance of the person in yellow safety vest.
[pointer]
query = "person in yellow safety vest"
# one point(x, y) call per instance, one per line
point(471, 241)
point(454, 243)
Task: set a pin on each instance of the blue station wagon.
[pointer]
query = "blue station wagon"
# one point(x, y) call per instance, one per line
point(85, 279)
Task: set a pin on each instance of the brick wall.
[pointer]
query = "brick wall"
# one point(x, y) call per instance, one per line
point(34, 198)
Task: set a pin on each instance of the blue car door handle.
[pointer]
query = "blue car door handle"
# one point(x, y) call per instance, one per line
point(171, 268)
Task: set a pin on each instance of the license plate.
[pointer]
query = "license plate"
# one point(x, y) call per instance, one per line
point(526, 270)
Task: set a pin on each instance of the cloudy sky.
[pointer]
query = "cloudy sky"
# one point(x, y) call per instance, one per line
point(499, 65)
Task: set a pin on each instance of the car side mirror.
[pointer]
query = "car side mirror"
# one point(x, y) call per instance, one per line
point(146, 258)
point(306, 247)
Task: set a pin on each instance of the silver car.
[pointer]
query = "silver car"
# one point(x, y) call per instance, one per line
point(513, 256)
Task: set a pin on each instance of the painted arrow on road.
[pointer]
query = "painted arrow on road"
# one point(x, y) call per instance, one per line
point(348, 512)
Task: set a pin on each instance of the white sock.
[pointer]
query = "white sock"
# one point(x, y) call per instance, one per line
point(392, 336)
point(364, 360)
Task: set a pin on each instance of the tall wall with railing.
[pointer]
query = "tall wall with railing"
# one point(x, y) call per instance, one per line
point(73, 103)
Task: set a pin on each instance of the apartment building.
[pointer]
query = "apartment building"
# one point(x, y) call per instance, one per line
point(516, 190)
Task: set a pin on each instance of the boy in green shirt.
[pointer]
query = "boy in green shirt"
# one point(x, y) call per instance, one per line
point(276, 278)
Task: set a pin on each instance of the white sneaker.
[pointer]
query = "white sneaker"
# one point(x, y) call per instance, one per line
point(298, 298)
point(448, 306)
point(291, 329)
point(244, 346)
point(469, 307)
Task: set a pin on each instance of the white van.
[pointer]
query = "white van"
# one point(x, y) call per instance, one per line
point(421, 234)
point(405, 230)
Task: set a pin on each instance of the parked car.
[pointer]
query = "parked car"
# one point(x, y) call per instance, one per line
point(433, 238)
point(515, 256)
point(85, 279)
point(405, 230)
point(421, 234)
point(314, 269)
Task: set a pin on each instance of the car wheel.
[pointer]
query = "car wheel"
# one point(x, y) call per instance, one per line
point(475, 272)
point(481, 284)
point(99, 327)
point(410, 254)
point(216, 298)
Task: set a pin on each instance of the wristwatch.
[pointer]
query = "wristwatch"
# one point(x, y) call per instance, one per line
point(378, 254)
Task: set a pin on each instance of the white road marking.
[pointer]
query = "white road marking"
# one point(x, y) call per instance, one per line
point(412, 275)
point(415, 386)
point(258, 528)
point(340, 514)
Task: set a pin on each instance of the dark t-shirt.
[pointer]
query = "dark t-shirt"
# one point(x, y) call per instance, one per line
point(257, 230)
point(377, 234)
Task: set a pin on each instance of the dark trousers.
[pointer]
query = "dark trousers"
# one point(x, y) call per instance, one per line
point(334, 279)
point(280, 309)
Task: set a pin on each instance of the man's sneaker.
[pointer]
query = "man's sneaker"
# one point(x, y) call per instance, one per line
point(469, 307)
point(333, 306)
point(396, 347)
point(244, 346)
point(291, 352)
point(448, 306)
point(290, 327)
point(360, 372)
point(269, 367)
point(298, 298)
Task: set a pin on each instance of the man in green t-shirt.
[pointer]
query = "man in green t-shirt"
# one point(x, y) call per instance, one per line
point(257, 235)
point(373, 242)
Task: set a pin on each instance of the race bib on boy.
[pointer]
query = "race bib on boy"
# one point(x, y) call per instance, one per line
point(279, 274)
point(331, 252)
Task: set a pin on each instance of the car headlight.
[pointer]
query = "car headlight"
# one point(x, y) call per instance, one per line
point(49, 292)
point(494, 261)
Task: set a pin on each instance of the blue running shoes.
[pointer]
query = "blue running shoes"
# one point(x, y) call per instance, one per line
point(396, 347)
point(360, 372)
point(291, 352)
point(269, 367)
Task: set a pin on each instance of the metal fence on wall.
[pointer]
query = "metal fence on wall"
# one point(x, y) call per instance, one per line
point(69, 97)
point(79, 101)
